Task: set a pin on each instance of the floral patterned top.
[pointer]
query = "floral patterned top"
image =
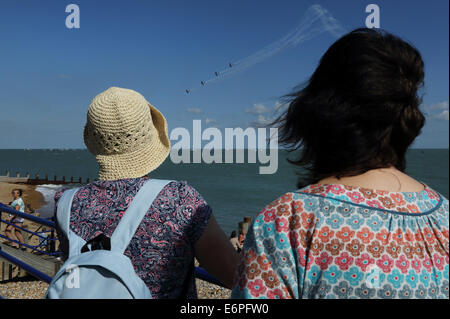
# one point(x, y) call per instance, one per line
point(162, 248)
point(335, 241)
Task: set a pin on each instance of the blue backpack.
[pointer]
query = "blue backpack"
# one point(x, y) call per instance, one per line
point(100, 270)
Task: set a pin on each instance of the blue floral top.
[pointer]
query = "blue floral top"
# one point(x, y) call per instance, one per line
point(335, 241)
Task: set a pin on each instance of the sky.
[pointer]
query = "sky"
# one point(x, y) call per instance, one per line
point(49, 73)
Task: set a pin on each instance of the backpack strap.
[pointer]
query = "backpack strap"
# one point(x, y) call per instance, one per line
point(133, 216)
point(63, 218)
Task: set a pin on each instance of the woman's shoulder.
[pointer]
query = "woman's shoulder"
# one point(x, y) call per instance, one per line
point(18, 202)
point(286, 205)
point(180, 188)
point(318, 198)
point(297, 196)
point(179, 185)
point(180, 196)
point(181, 192)
point(295, 208)
point(173, 188)
point(58, 194)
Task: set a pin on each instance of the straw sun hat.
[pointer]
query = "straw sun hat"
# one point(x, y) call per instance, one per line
point(127, 135)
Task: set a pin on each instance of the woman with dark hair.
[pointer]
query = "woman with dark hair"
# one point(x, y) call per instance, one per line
point(18, 205)
point(235, 241)
point(359, 227)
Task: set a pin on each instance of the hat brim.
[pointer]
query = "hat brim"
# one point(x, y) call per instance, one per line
point(139, 162)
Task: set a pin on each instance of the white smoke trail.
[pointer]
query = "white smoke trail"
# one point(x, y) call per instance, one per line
point(315, 21)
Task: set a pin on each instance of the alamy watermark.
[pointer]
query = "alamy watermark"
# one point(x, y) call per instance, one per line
point(373, 19)
point(258, 145)
point(73, 19)
point(373, 276)
point(73, 277)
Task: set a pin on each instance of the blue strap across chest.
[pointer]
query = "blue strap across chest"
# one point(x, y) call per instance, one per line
point(128, 224)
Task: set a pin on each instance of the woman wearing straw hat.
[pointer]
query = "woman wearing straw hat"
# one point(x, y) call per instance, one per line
point(129, 139)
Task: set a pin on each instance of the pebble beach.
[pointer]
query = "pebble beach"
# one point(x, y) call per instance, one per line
point(36, 290)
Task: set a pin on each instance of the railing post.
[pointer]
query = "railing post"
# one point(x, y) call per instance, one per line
point(52, 241)
point(10, 271)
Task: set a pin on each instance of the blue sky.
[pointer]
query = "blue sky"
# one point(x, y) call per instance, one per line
point(49, 73)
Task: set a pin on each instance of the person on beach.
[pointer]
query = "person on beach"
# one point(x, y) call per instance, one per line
point(241, 238)
point(129, 138)
point(359, 226)
point(18, 205)
point(235, 241)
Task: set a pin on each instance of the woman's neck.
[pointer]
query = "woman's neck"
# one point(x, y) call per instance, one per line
point(387, 179)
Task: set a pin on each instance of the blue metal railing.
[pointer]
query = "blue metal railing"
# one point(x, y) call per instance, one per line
point(199, 272)
point(38, 220)
point(202, 274)
point(44, 240)
point(33, 271)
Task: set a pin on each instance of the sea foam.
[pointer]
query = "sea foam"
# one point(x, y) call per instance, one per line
point(49, 191)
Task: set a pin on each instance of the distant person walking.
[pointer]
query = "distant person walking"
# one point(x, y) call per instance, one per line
point(235, 241)
point(18, 205)
point(129, 138)
point(241, 238)
point(359, 226)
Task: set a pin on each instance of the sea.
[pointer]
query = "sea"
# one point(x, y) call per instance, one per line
point(232, 190)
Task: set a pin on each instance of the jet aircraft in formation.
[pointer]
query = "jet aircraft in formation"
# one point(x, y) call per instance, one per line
point(203, 83)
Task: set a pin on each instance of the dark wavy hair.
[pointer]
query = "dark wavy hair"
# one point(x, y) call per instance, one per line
point(20, 191)
point(359, 110)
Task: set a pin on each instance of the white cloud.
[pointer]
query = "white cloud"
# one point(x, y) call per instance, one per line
point(258, 108)
point(442, 116)
point(439, 106)
point(209, 121)
point(261, 120)
point(196, 110)
point(437, 111)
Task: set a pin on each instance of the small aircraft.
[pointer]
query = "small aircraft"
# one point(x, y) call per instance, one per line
point(216, 73)
point(230, 65)
point(188, 91)
point(202, 82)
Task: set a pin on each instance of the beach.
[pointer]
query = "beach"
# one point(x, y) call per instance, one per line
point(30, 196)
point(32, 289)
point(33, 200)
